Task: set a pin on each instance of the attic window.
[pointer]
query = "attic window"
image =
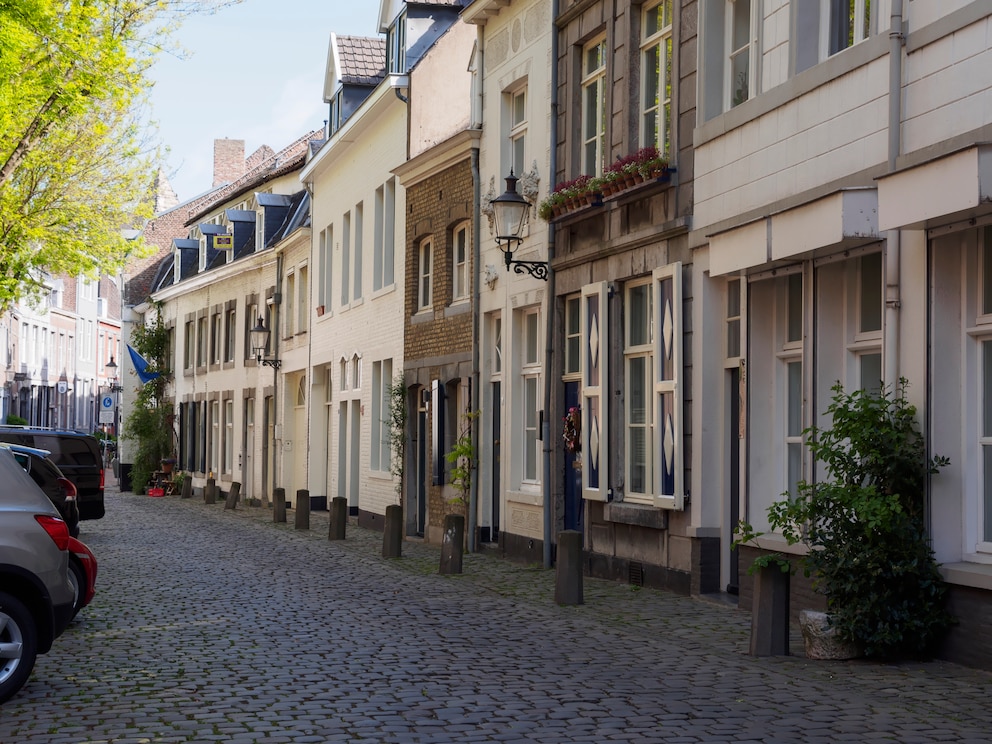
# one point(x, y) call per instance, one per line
point(396, 45)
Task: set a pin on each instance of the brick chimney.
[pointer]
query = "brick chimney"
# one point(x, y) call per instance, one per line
point(229, 160)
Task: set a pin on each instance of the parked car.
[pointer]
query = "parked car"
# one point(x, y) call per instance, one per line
point(76, 454)
point(82, 574)
point(59, 489)
point(36, 596)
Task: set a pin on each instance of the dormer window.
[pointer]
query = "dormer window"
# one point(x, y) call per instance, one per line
point(336, 118)
point(396, 46)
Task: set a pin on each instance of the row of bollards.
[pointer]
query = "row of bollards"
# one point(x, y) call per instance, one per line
point(568, 569)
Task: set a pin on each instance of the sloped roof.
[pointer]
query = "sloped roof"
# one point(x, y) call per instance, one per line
point(281, 163)
point(362, 59)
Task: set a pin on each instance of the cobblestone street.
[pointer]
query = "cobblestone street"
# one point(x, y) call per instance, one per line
point(211, 625)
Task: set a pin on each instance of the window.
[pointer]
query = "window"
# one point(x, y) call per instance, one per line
point(227, 464)
point(396, 45)
point(656, 76)
point(336, 118)
point(231, 332)
point(326, 276)
point(189, 345)
point(459, 263)
point(517, 111)
point(356, 259)
point(638, 363)
point(733, 318)
point(424, 275)
point(201, 341)
point(216, 339)
point(530, 370)
point(845, 23)
point(382, 377)
point(290, 294)
point(303, 306)
point(215, 430)
point(345, 258)
point(259, 228)
point(594, 107)
point(791, 360)
point(384, 238)
point(740, 49)
point(573, 333)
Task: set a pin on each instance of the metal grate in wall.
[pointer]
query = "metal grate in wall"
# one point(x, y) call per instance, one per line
point(635, 573)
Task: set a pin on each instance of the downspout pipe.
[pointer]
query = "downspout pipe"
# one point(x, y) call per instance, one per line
point(551, 302)
point(892, 240)
point(476, 123)
point(276, 319)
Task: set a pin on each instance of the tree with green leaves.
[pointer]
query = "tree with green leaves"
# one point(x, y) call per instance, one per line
point(75, 170)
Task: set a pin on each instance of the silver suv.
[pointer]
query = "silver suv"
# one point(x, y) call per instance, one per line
point(35, 592)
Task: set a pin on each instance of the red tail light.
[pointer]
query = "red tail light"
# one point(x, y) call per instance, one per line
point(101, 479)
point(68, 489)
point(56, 529)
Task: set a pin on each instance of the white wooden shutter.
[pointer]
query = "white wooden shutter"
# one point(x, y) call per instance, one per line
point(595, 387)
point(668, 436)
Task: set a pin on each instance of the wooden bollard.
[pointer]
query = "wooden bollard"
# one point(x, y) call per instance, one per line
point(392, 533)
point(279, 505)
point(232, 496)
point(452, 542)
point(187, 492)
point(210, 492)
point(339, 518)
point(303, 509)
point(770, 612)
point(568, 570)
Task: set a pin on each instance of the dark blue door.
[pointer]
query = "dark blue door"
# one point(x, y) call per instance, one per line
point(572, 477)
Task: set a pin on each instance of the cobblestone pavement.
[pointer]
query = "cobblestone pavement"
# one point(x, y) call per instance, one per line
point(211, 625)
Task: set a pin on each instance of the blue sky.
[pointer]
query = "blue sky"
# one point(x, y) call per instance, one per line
point(253, 71)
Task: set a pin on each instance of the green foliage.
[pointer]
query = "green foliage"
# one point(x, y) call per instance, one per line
point(396, 429)
point(74, 169)
point(462, 458)
point(149, 423)
point(864, 525)
point(15, 420)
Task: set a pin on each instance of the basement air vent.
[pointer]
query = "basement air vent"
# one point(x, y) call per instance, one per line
point(635, 573)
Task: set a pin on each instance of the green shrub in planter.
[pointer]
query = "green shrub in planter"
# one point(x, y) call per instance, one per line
point(864, 525)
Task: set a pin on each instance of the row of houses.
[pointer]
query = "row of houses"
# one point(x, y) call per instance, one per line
point(640, 367)
point(57, 346)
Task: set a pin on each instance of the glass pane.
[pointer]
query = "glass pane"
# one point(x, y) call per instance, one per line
point(794, 405)
point(590, 116)
point(871, 293)
point(637, 390)
point(518, 155)
point(742, 24)
point(739, 64)
point(794, 309)
point(530, 432)
point(733, 338)
point(518, 108)
point(532, 338)
point(734, 298)
point(871, 372)
point(795, 455)
point(639, 315)
point(987, 388)
point(638, 459)
point(498, 344)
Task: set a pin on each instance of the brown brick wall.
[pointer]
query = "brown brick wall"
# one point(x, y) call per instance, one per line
point(436, 348)
point(229, 160)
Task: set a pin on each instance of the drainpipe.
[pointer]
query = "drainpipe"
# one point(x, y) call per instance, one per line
point(476, 123)
point(550, 300)
point(276, 318)
point(892, 240)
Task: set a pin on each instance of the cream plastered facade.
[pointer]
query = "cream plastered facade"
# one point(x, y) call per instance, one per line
point(514, 54)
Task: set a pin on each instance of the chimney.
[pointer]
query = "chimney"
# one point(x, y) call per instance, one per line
point(229, 160)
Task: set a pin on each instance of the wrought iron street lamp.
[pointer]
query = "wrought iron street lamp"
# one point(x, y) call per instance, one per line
point(510, 212)
point(259, 343)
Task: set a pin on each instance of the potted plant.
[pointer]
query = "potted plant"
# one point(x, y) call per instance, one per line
point(863, 525)
point(566, 196)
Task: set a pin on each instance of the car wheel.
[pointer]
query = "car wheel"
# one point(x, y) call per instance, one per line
point(77, 577)
point(18, 645)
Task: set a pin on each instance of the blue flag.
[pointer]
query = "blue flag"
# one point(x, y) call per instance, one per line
point(140, 365)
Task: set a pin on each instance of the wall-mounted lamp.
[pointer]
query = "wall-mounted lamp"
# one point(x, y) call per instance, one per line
point(510, 211)
point(259, 342)
point(111, 367)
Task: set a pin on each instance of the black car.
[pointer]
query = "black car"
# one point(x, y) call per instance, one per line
point(60, 490)
point(77, 456)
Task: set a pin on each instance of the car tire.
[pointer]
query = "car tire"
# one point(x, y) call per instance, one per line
point(77, 577)
point(18, 645)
